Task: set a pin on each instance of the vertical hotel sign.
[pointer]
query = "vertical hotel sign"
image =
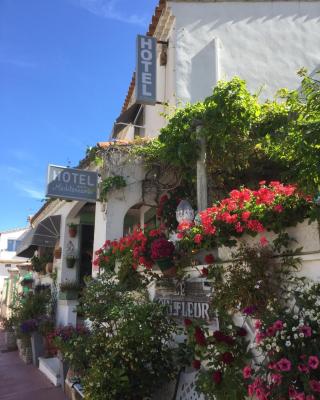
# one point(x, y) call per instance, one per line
point(146, 70)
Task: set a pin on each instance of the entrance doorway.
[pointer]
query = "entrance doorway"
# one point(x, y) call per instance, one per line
point(86, 251)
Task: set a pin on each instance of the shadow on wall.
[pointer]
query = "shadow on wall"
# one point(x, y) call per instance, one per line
point(203, 79)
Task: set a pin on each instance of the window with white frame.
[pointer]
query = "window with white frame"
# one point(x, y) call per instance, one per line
point(13, 244)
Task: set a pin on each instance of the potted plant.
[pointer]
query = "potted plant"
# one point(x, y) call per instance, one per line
point(71, 260)
point(162, 253)
point(49, 263)
point(27, 282)
point(73, 228)
point(69, 290)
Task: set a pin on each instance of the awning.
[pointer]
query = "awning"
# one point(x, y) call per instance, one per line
point(126, 118)
point(45, 234)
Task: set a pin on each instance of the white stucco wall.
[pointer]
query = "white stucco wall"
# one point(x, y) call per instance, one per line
point(306, 237)
point(264, 43)
point(154, 115)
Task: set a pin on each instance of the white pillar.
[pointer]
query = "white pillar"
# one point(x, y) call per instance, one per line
point(202, 184)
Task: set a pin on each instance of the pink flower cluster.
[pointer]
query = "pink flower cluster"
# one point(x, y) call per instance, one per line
point(283, 369)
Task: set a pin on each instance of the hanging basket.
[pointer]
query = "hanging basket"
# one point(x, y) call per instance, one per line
point(167, 267)
point(71, 262)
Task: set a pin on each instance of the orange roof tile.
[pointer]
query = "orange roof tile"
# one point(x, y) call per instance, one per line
point(105, 145)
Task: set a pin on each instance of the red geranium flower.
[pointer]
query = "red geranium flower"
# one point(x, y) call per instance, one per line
point(200, 337)
point(227, 357)
point(196, 364)
point(242, 332)
point(217, 377)
point(198, 238)
point(204, 271)
point(209, 259)
point(187, 322)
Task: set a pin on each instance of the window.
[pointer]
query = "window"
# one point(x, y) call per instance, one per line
point(7, 265)
point(13, 244)
point(138, 123)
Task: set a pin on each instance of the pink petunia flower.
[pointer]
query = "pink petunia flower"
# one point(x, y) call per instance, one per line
point(247, 371)
point(306, 330)
point(284, 364)
point(314, 385)
point(257, 324)
point(313, 362)
point(278, 325)
point(259, 337)
point(303, 368)
point(276, 379)
point(300, 396)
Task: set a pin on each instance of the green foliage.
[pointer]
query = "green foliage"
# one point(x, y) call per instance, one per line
point(31, 306)
point(127, 352)
point(230, 122)
point(255, 278)
point(294, 139)
point(39, 262)
point(224, 355)
point(111, 183)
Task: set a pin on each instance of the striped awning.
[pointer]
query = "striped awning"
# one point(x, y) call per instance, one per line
point(45, 234)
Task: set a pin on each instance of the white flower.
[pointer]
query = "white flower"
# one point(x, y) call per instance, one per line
point(295, 336)
point(285, 325)
point(277, 349)
point(294, 329)
point(295, 317)
point(288, 343)
point(268, 347)
point(301, 334)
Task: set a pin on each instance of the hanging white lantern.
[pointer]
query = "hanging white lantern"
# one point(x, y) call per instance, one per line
point(184, 212)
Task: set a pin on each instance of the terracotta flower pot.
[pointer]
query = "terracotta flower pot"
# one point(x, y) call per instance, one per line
point(49, 267)
point(73, 231)
point(57, 253)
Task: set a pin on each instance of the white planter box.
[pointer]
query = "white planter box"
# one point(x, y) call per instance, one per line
point(306, 236)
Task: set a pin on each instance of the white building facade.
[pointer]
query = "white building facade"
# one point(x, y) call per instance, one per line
point(9, 241)
point(201, 42)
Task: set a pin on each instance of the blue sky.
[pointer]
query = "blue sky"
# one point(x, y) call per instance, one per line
point(65, 67)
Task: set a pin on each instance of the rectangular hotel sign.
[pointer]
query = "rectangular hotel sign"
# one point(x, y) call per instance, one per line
point(72, 184)
point(146, 70)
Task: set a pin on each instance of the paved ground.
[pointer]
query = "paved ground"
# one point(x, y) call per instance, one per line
point(19, 381)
